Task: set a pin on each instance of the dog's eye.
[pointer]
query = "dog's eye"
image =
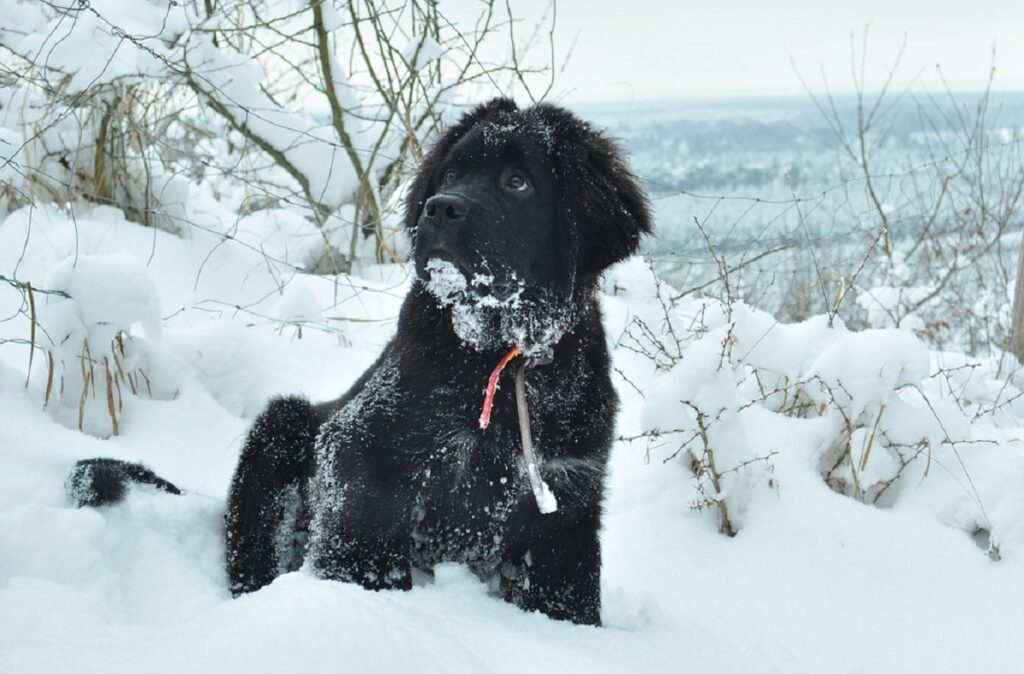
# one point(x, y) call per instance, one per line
point(517, 182)
point(449, 177)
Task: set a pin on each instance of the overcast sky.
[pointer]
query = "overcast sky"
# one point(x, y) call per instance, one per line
point(651, 49)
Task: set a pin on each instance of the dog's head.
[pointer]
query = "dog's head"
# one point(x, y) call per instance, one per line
point(513, 214)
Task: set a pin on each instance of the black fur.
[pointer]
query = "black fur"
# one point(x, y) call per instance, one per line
point(267, 518)
point(97, 482)
point(396, 474)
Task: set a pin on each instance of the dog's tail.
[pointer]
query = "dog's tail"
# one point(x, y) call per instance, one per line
point(96, 482)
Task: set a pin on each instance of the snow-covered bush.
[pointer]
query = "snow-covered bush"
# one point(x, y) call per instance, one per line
point(100, 326)
point(169, 110)
point(749, 404)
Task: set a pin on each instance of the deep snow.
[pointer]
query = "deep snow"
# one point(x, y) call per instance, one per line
point(814, 581)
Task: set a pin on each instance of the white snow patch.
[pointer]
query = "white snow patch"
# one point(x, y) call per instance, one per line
point(141, 587)
point(422, 51)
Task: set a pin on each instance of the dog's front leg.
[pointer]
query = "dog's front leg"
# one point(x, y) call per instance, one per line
point(553, 561)
point(557, 570)
point(361, 525)
point(359, 542)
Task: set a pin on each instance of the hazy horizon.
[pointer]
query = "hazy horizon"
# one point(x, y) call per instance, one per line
point(740, 98)
point(664, 50)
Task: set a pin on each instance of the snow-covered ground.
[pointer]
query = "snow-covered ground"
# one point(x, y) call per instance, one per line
point(827, 572)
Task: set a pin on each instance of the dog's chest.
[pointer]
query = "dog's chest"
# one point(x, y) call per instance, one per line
point(464, 493)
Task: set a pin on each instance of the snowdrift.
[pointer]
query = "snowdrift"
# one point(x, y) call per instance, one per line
point(785, 498)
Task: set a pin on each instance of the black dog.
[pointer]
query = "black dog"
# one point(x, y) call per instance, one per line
point(513, 215)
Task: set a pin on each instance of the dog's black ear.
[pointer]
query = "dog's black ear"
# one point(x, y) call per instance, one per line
point(604, 199)
point(611, 209)
point(420, 189)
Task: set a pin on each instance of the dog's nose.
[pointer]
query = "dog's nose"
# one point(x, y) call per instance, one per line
point(444, 209)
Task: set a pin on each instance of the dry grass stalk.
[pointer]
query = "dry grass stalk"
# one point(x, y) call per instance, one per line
point(32, 337)
point(115, 378)
point(866, 450)
point(86, 378)
point(110, 395)
point(49, 377)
